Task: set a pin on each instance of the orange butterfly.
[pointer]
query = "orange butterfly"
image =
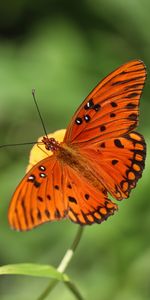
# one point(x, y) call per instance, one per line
point(100, 153)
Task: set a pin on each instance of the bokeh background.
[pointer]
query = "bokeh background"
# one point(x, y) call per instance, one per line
point(63, 48)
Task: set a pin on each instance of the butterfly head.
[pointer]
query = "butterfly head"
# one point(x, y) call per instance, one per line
point(50, 144)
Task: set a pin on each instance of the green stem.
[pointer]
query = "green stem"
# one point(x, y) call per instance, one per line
point(74, 290)
point(62, 267)
point(48, 289)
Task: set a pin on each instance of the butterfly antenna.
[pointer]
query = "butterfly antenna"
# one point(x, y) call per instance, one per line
point(20, 144)
point(35, 101)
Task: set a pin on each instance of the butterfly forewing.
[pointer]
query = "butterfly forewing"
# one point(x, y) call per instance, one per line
point(111, 109)
point(39, 197)
point(102, 129)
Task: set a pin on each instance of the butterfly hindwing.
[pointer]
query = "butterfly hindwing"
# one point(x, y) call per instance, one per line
point(119, 162)
point(39, 197)
point(86, 204)
point(111, 109)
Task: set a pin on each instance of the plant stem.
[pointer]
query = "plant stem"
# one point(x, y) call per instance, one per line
point(74, 290)
point(62, 267)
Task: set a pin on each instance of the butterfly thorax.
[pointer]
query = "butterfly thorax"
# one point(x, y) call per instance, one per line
point(64, 152)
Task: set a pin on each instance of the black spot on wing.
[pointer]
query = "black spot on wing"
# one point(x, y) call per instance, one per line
point(112, 115)
point(114, 162)
point(78, 121)
point(87, 118)
point(118, 143)
point(47, 213)
point(48, 197)
point(131, 105)
point(102, 145)
point(40, 198)
point(37, 184)
point(132, 117)
point(97, 107)
point(132, 95)
point(57, 213)
point(39, 215)
point(42, 168)
point(102, 128)
point(31, 178)
point(89, 104)
point(113, 104)
point(56, 187)
point(72, 199)
point(69, 186)
point(43, 175)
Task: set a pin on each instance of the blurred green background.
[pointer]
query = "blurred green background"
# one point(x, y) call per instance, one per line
point(63, 48)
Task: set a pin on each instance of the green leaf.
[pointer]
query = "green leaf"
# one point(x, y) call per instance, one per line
point(33, 270)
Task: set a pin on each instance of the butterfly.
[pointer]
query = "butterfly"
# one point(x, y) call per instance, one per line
point(100, 154)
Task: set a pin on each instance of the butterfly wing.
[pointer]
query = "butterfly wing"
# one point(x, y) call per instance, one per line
point(86, 204)
point(111, 109)
point(118, 162)
point(101, 129)
point(39, 197)
point(51, 191)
